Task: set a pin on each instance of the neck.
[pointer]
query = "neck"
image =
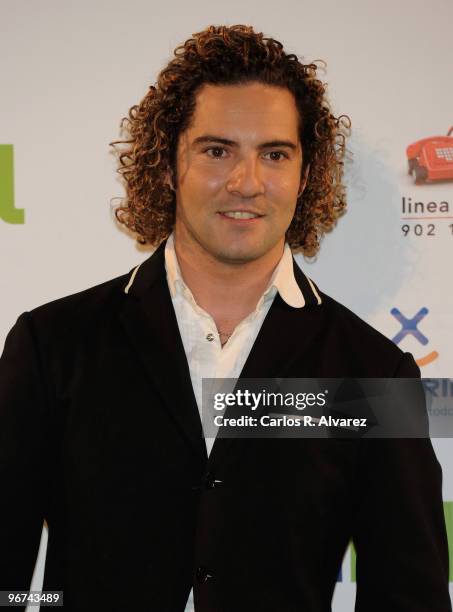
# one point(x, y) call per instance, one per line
point(227, 291)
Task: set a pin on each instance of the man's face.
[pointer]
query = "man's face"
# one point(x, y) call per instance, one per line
point(238, 171)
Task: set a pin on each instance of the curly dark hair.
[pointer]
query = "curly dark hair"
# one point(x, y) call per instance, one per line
point(221, 55)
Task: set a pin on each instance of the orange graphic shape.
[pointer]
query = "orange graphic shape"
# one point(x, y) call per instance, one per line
point(427, 358)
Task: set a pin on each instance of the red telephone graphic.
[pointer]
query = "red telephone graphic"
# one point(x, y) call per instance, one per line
point(431, 159)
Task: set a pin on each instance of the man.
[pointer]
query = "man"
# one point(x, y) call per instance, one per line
point(233, 158)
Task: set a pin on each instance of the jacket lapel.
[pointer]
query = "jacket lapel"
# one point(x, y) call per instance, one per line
point(148, 316)
point(286, 334)
point(285, 347)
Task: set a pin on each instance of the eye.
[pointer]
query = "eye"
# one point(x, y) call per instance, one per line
point(276, 155)
point(215, 152)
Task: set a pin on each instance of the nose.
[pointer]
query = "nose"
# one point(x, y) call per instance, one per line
point(245, 179)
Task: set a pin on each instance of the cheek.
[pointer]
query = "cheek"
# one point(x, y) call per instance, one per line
point(283, 180)
point(200, 180)
point(283, 195)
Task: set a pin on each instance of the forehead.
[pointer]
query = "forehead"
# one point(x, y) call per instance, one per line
point(253, 105)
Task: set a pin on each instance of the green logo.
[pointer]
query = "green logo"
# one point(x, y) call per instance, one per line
point(7, 211)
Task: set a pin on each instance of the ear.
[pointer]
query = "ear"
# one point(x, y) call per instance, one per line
point(303, 180)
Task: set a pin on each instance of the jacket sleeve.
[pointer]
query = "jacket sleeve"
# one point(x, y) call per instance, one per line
point(399, 527)
point(24, 444)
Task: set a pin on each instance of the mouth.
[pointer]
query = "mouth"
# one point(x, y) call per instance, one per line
point(240, 215)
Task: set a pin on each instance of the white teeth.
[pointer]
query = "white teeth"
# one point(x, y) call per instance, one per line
point(240, 215)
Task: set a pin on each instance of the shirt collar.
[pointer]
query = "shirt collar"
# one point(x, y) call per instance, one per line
point(282, 280)
point(174, 277)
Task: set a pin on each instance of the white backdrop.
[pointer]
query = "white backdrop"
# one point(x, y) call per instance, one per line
point(70, 70)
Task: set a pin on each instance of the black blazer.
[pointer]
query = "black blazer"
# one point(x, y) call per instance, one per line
point(101, 437)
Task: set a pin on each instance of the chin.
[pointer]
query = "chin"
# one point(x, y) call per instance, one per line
point(238, 255)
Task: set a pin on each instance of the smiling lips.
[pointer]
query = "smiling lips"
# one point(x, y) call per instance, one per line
point(240, 214)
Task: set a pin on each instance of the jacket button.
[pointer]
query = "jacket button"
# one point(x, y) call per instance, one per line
point(210, 481)
point(203, 574)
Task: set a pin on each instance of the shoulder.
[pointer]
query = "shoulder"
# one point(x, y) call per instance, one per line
point(353, 339)
point(350, 324)
point(60, 326)
point(97, 299)
point(75, 318)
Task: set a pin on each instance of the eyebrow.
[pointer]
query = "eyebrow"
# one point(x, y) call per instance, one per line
point(210, 138)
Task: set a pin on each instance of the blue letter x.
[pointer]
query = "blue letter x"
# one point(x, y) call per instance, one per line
point(409, 326)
